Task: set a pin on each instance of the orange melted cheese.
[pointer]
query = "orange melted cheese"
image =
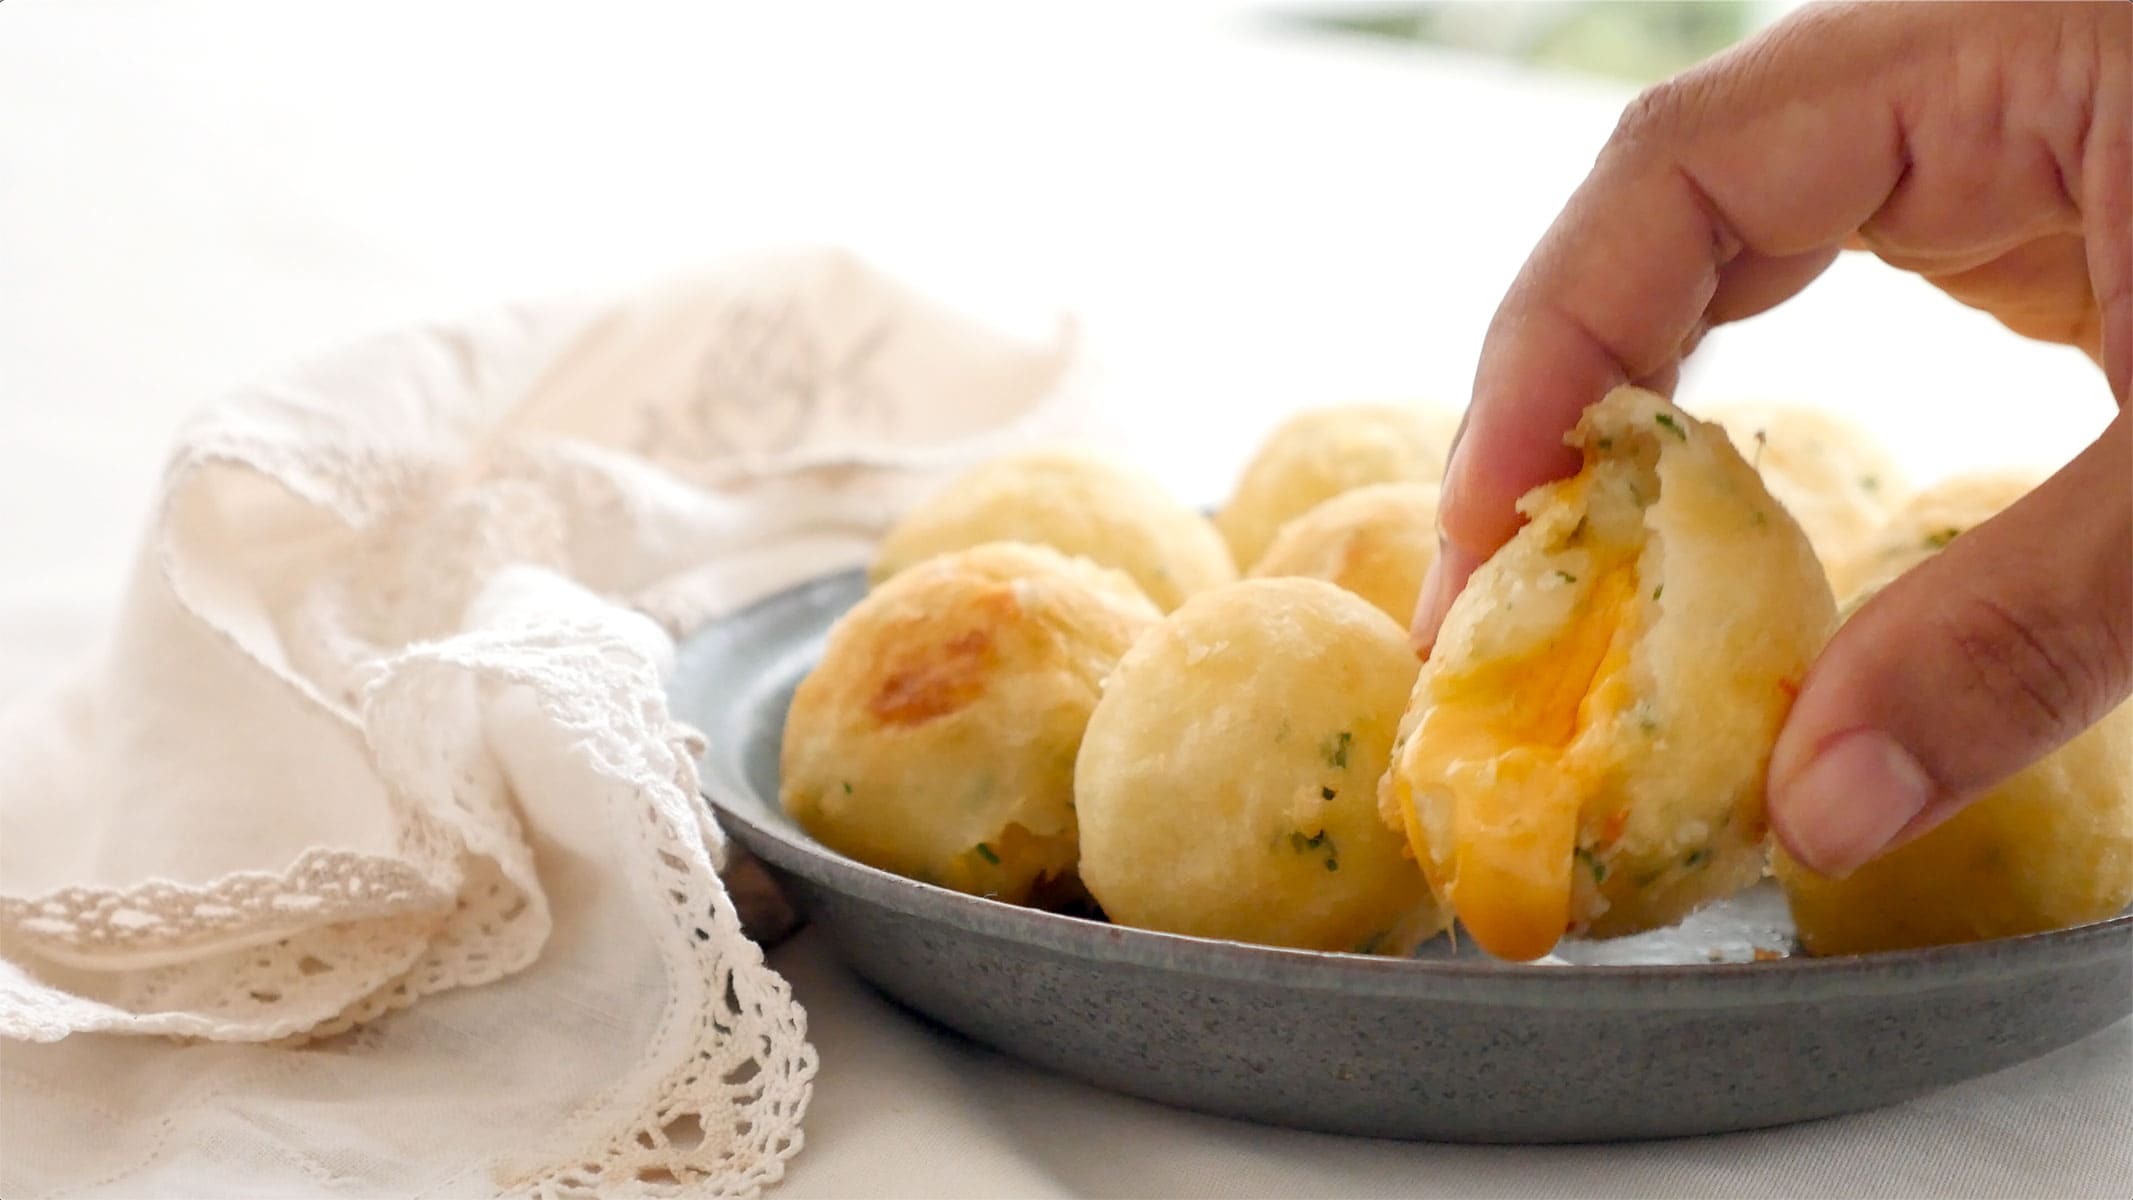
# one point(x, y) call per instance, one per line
point(1505, 742)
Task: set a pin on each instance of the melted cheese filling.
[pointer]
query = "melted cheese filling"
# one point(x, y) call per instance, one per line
point(1507, 742)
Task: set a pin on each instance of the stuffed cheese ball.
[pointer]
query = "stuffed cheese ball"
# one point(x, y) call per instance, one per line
point(936, 738)
point(1227, 784)
point(1074, 502)
point(1376, 541)
point(1835, 480)
point(1584, 751)
point(1316, 455)
point(1924, 525)
point(2050, 847)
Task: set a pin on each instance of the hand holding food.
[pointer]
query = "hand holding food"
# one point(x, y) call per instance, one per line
point(2049, 847)
point(1728, 189)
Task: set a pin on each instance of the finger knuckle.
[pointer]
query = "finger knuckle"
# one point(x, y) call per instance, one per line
point(2044, 670)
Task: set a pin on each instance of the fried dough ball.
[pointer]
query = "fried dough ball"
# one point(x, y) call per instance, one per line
point(1226, 785)
point(1929, 521)
point(1584, 751)
point(1316, 455)
point(936, 737)
point(1835, 480)
point(1074, 502)
point(2050, 847)
point(1375, 541)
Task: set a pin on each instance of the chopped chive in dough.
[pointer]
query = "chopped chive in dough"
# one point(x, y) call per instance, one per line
point(1336, 751)
point(1332, 864)
point(985, 852)
point(1326, 793)
point(1869, 483)
point(1606, 443)
point(1566, 577)
point(1658, 591)
point(1598, 868)
point(1673, 426)
point(848, 787)
point(1941, 537)
point(1696, 857)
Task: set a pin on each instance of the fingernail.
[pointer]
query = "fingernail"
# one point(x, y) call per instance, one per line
point(1440, 587)
point(1849, 802)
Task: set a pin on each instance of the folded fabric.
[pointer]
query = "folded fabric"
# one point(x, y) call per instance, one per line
point(383, 719)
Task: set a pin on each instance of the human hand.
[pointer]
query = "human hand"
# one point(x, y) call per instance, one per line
point(1989, 148)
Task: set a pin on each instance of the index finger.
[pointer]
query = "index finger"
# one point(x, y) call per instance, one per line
point(1720, 193)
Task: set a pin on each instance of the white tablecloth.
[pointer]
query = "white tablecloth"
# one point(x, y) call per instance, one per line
point(1248, 220)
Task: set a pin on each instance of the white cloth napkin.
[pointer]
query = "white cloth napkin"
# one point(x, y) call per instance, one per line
point(382, 727)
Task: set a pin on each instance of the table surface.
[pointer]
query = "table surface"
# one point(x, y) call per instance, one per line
point(1247, 219)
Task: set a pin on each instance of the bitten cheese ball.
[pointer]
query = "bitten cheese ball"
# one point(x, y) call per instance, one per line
point(936, 738)
point(2048, 848)
point(1076, 503)
point(1584, 751)
point(1835, 480)
point(1316, 455)
point(1925, 524)
point(1375, 541)
point(1226, 787)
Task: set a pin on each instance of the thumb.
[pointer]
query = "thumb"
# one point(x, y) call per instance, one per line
point(1973, 665)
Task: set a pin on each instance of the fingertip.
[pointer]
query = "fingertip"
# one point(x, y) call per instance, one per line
point(1850, 802)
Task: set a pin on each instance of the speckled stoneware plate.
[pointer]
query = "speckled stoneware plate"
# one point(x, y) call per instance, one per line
point(1656, 1036)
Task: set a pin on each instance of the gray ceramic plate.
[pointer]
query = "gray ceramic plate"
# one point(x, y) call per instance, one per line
point(1649, 1037)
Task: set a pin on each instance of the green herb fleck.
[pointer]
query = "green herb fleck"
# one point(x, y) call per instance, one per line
point(1941, 537)
point(1300, 843)
point(1326, 793)
point(1336, 751)
point(1332, 864)
point(1869, 483)
point(985, 852)
point(1697, 857)
point(1761, 517)
point(1673, 426)
point(1647, 723)
point(847, 788)
point(1606, 443)
point(1658, 591)
point(1566, 577)
point(1598, 868)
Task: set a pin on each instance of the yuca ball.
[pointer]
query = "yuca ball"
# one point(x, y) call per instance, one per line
point(1376, 541)
point(937, 736)
point(1076, 503)
point(2049, 848)
point(1316, 455)
point(1833, 477)
point(1926, 524)
point(1584, 751)
point(1226, 786)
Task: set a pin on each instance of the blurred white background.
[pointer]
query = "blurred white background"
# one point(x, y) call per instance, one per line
point(1248, 213)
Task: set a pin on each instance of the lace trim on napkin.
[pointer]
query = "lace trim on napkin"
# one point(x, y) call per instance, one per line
point(424, 535)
